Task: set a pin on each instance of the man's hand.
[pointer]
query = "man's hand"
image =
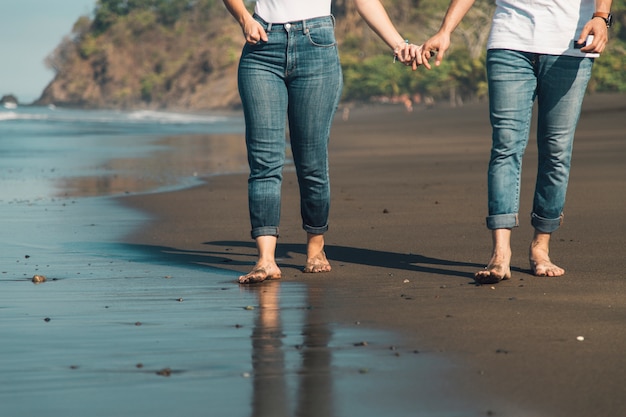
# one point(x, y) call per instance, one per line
point(435, 46)
point(597, 28)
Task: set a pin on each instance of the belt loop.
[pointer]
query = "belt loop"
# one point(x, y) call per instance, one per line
point(333, 19)
point(269, 27)
point(304, 29)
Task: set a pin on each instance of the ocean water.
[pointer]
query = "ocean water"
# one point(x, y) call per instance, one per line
point(40, 147)
point(113, 333)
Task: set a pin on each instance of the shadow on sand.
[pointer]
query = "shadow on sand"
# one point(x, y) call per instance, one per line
point(229, 254)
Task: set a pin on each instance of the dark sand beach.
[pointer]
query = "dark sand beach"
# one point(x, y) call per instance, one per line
point(407, 233)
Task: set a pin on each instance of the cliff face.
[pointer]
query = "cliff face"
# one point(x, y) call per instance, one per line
point(139, 63)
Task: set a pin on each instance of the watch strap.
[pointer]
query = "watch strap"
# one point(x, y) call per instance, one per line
point(604, 16)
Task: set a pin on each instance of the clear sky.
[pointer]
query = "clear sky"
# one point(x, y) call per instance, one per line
point(29, 31)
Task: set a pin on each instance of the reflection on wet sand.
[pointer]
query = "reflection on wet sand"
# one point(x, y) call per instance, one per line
point(268, 358)
point(315, 394)
point(174, 158)
point(270, 388)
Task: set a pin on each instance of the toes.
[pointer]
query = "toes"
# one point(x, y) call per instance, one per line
point(553, 271)
point(252, 278)
point(316, 268)
point(487, 277)
point(492, 275)
point(256, 276)
point(546, 269)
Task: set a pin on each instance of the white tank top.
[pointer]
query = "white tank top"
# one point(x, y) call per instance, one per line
point(540, 26)
point(283, 11)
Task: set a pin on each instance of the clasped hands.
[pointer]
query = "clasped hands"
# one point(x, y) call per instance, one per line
point(416, 55)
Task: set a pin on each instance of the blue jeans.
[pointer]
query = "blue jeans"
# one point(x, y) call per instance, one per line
point(295, 78)
point(516, 79)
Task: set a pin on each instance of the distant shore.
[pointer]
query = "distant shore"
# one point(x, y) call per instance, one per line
point(407, 232)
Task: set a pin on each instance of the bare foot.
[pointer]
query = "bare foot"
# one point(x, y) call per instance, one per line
point(541, 266)
point(493, 273)
point(317, 263)
point(260, 274)
point(539, 258)
point(315, 257)
point(498, 269)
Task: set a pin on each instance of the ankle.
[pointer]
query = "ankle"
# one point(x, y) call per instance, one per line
point(315, 245)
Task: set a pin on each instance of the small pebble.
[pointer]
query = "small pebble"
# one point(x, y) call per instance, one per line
point(38, 279)
point(164, 372)
point(580, 338)
point(246, 375)
point(406, 281)
point(248, 308)
point(47, 319)
point(364, 343)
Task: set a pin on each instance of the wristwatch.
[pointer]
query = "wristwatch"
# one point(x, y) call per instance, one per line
point(607, 17)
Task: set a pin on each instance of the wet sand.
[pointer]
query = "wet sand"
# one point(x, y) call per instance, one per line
point(407, 233)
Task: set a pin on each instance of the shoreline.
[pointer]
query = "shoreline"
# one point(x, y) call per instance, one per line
point(406, 234)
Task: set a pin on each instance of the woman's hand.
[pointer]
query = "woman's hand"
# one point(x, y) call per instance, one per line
point(253, 32)
point(408, 54)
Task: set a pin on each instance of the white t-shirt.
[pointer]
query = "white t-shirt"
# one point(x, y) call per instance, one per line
point(540, 26)
point(283, 11)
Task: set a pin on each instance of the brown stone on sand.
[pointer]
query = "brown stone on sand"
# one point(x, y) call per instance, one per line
point(38, 279)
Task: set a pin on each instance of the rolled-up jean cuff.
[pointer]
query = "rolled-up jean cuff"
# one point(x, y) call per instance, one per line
point(315, 230)
point(264, 231)
point(545, 225)
point(502, 221)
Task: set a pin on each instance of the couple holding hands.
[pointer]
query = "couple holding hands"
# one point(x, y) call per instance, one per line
point(290, 75)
